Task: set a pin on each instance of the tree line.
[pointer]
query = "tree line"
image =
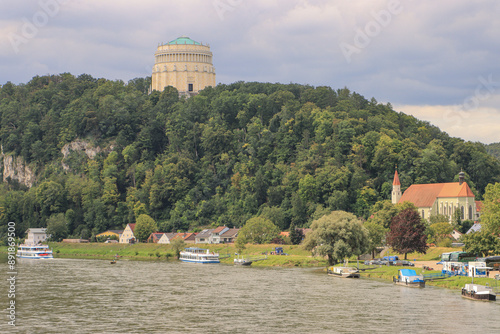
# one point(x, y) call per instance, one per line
point(288, 153)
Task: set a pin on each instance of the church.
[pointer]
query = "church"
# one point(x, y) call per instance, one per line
point(439, 198)
point(184, 64)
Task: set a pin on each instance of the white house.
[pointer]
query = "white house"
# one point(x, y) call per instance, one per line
point(128, 236)
point(166, 238)
point(204, 236)
point(36, 236)
point(215, 235)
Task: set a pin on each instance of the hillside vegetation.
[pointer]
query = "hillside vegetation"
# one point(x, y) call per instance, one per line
point(288, 152)
point(494, 149)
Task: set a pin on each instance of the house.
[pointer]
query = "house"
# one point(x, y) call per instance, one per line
point(188, 237)
point(456, 235)
point(479, 209)
point(204, 236)
point(127, 236)
point(111, 233)
point(474, 228)
point(438, 198)
point(36, 236)
point(216, 233)
point(155, 237)
point(229, 236)
point(166, 237)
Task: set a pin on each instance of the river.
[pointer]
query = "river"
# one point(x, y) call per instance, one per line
point(93, 296)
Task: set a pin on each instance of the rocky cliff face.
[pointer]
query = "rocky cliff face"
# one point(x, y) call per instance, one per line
point(82, 146)
point(15, 168)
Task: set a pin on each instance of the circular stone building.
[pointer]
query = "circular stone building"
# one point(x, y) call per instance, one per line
point(184, 64)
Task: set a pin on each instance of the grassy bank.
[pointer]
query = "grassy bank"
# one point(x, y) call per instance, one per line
point(456, 282)
point(297, 256)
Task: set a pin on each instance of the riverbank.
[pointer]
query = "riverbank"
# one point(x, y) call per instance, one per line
point(296, 257)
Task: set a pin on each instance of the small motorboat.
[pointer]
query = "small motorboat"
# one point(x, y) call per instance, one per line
point(478, 292)
point(344, 272)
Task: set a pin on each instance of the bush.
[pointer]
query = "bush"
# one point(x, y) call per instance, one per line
point(444, 243)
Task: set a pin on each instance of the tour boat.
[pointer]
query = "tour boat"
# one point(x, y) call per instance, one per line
point(478, 292)
point(344, 272)
point(408, 277)
point(29, 251)
point(199, 255)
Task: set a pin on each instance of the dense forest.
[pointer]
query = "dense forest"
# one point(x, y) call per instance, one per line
point(494, 149)
point(288, 152)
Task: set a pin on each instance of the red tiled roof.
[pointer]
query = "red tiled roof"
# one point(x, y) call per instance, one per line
point(219, 229)
point(479, 206)
point(396, 179)
point(132, 227)
point(424, 195)
point(230, 233)
point(285, 233)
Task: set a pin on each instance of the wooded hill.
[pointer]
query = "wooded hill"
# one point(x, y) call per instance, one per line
point(494, 149)
point(288, 152)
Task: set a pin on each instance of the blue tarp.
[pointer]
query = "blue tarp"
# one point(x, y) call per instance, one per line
point(407, 272)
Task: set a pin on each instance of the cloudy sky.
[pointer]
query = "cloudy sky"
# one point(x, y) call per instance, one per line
point(437, 60)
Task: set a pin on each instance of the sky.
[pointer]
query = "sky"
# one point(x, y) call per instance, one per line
point(436, 60)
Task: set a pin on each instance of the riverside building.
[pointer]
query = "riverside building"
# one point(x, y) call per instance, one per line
point(184, 64)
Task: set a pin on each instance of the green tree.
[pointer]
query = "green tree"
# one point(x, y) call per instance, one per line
point(490, 218)
point(240, 244)
point(145, 225)
point(338, 235)
point(482, 242)
point(440, 231)
point(296, 235)
point(57, 227)
point(258, 230)
point(376, 235)
point(177, 245)
point(382, 213)
point(407, 233)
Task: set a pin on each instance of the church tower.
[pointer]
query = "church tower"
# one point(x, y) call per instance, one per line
point(184, 64)
point(396, 188)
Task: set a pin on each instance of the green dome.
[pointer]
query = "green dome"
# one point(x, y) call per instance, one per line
point(183, 40)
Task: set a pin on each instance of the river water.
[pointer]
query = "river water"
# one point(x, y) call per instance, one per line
point(92, 296)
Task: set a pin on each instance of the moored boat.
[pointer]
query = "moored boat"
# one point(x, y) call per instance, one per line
point(31, 251)
point(478, 292)
point(344, 272)
point(243, 262)
point(198, 255)
point(409, 278)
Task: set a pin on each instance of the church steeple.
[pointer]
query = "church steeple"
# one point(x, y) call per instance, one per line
point(396, 188)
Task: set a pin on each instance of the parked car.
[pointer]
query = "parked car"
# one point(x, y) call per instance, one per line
point(402, 263)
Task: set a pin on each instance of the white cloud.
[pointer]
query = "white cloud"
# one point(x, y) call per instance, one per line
point(482, 124)
point(428, 53)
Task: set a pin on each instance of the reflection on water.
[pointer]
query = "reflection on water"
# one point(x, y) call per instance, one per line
point(92, 296)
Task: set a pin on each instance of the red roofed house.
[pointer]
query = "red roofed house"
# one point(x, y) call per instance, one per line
point(438, 198)
point(155, 237)
point(188, 237)
point(127, 236)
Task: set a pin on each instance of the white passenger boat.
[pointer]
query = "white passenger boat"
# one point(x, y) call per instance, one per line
point(199, 255)
point(345, 272)
point(30, 251)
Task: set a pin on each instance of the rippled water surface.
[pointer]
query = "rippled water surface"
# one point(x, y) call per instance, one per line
point(92, 296)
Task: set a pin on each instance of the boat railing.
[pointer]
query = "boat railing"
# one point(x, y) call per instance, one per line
point(433, 276)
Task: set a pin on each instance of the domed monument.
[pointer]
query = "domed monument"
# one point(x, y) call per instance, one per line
point(184, 64)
